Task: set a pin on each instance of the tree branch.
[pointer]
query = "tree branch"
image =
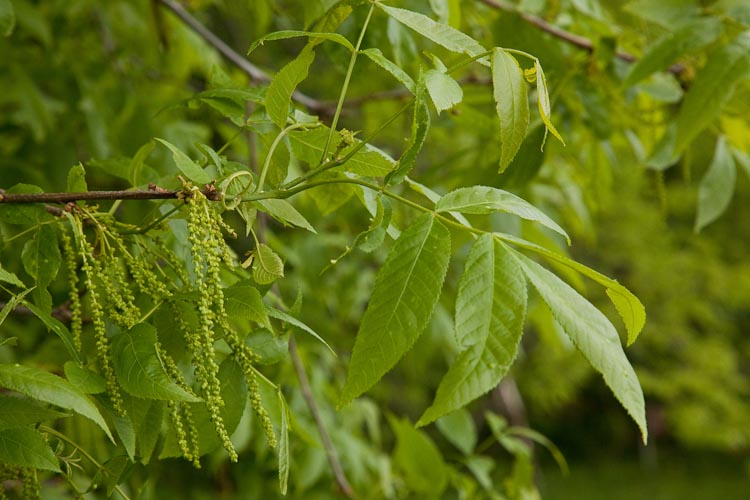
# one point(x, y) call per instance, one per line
point(254, 72)
point(304, 383)
point(566, 36)
point(139, 194)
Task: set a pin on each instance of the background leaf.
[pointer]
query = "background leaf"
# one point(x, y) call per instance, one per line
point(717, 186)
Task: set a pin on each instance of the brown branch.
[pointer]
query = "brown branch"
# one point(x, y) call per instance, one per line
point(304, 383)
point(254, 72)
point(209, 192)
point(566, 36)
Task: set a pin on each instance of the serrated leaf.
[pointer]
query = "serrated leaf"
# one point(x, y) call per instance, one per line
point(441, 34)
point(7, 18)
point(406, 290)
point(288, 318)
point(314, 37)
point(244, 302)
point(283, 446)
point(512, 104)
point(9, 277)
point(281, 88)
point(26, 447)
point(284, 212)
point(369, 161)
point(485, 200)
point(20, 412)
point(376, 56)
point(188, 167)
point(444, 91)
point(628, 306)
point(593, 335)
point(267, 265)
point(45, 386)
point(57, 327)
point(711, 88)
point(490, 309)
point(85, 380)
point(686, 40)
point(542, 96)
point(717, 186)
point(434, 197)
point(77, 179)
point(138, 368)
point(41, 256)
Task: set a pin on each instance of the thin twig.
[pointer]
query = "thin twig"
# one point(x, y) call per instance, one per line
point(566, 36)
point(139, 194)
point(254, 72)
point(333, 458)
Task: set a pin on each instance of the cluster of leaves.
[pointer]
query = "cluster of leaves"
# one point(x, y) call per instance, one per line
point(189, 397)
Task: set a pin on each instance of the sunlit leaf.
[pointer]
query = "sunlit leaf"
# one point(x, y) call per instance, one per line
point(279, 93)
point(284, 212)
point(545, 109)
point(188, 167)
point(444, 91)
point(512, 103)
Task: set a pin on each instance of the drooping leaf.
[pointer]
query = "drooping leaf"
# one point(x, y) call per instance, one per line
point(545, 109)
point(717, 186)
point(419, 459)
point(138, 368)
point(444, 91)
point(490, 309)
point(686, 40)
point(267, 265)
point(512, 103)
point(26, 447)
point(50, 388)
point(12, 303)
point(7, 18)
point(188, 167)
point(288, 318)
point(283, 445)
point(20, 412)
point(284, 212)
point(628, 306)
point(485, 200)
point(376, 56)
point(281, 88)
point(420, 125)
point(316, 37)
point(56, 326)
point(711, 88)
point(41, 256)
point(406, 291)
point(593, 334)
point(442, 34)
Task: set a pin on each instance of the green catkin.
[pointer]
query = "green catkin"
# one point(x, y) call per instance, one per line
point(91, 268)
point(76, 318)
point(192, 431)
point(120, 302)
point(179, 429)
point(171, 259)
point(31, 486)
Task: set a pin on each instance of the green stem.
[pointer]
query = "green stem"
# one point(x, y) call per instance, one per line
point(345, 87)
point(66, 439)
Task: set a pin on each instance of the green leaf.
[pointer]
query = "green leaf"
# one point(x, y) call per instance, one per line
point(27, 447)
point(420, 125)
point(444, 91)
point(139, 369)
point(281, 88)
point(490, 308)
point(593, 335)
point(77, 179)
point(369, 161)
point(56, 326)
point(686, 40)
point(27, 214)
point(376, 56)
point(12, 303)
point(417, 456)
point(138, 162)
point(9, 277)
point(711, 88)
point(434, 197)
point(45, 386)
point(406, 291)
point(41, 256)
point(20, 412)
point(628, 306)
point(287, 318)
point(267, 265)
point(441, 34)
point(545, 110)
point(512, 103)
point(458, 428)
point(188, 167)
point(284, 212)
point(7, 18)
point(243, 303)
point(485, 200)
point(283, 445)
point(315, 38)
point(85, 380)
point(717, 186)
